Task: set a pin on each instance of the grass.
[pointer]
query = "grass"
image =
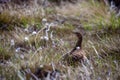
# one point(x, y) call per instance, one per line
point(92, 15)
point(30, 51)
point(4, 55)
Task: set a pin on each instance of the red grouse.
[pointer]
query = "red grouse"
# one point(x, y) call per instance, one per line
point(76, 54)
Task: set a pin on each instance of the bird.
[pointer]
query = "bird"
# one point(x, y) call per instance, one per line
point(77, 54)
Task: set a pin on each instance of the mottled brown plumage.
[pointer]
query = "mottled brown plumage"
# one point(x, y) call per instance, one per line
point(77, 54)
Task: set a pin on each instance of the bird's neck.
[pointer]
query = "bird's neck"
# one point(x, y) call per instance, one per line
point(79, 42)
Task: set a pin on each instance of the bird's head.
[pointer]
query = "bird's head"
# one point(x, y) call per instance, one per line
point(78, 34)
